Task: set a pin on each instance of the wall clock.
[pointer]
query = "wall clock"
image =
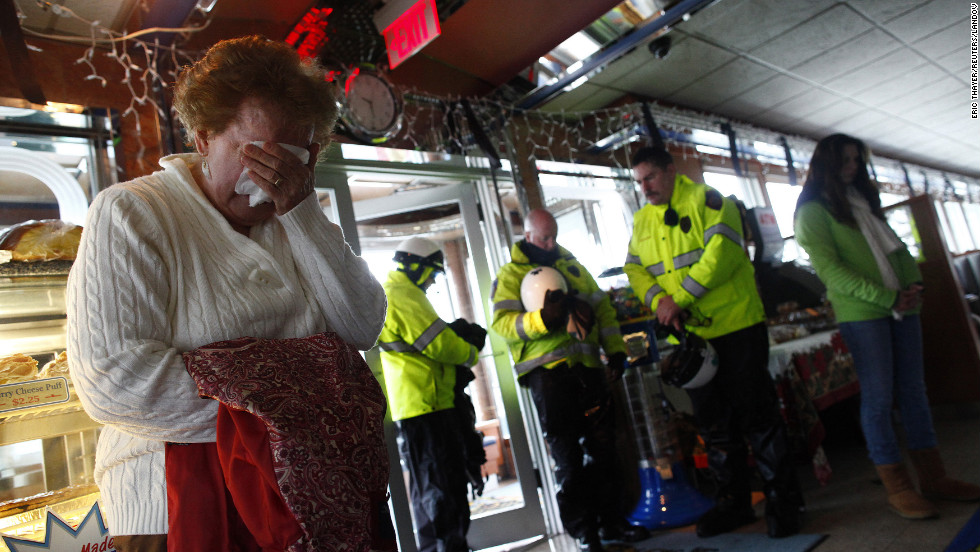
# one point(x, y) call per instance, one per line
point(372, 106)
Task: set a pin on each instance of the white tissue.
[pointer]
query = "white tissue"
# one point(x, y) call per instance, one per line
point(257, 195)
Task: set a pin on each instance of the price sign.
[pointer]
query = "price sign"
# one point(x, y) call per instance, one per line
point(28, 394)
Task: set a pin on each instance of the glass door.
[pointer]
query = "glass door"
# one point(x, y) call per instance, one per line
point(509, 509)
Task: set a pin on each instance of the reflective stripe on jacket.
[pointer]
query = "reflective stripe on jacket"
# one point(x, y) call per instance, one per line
point(531, 344)
point(419, 352)
point(699, 262)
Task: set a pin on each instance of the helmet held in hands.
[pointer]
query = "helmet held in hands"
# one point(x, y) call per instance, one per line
point(537, 283)
point(576, 315)
point(692, 363)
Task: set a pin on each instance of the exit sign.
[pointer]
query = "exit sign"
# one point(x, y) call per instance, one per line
point(411, 31)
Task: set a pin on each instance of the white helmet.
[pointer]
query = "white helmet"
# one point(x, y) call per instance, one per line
point(691, 364)
point(422, 248)
point(536, 284)
point(421, 251)
point(419, 258)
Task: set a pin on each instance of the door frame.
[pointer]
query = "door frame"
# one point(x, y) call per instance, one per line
point(514, 525)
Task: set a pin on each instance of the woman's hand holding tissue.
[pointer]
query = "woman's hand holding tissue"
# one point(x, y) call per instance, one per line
point(282, 173)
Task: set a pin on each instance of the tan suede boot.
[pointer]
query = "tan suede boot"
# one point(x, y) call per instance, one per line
point(933, 482)
point(902, 497)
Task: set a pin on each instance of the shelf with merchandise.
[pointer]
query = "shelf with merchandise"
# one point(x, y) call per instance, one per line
point(629, 307)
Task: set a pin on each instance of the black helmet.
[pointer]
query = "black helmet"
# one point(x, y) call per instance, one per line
point(691, 364)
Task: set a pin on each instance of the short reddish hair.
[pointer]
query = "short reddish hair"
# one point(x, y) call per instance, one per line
point(209, 92)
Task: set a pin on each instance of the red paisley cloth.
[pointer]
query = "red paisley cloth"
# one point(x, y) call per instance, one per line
point(324, 411)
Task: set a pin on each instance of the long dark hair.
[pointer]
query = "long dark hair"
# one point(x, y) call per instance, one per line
point(823, 181)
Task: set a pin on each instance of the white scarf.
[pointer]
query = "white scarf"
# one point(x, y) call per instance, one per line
point(879, 235)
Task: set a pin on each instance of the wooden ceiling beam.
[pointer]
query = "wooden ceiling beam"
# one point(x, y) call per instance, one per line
point(18, 54)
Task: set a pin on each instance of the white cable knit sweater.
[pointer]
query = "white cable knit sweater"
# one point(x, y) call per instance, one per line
point(160, 271)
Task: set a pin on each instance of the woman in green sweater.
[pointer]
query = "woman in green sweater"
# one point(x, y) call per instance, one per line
point(875, 288)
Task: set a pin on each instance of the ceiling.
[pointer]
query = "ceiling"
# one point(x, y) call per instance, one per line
point(895, 73)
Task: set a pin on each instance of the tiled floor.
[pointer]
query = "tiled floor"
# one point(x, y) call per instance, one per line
point(851, 509)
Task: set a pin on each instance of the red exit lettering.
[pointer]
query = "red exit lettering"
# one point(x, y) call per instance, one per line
point(413, 32)
point(413, 29)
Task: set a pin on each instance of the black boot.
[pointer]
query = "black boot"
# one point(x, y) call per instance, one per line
point(623, 532)
point(784, 501)
point(590, 542)
point(783, 516)
point(729, 514)
point(730, 469)
point(784, 497)
point(784, 505)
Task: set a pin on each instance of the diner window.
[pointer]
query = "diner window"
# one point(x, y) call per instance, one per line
point(888, 199)
point(944, 224)
point(901, 221)
point(972, 214)
point(962, 238)
point(592, 207)
point(782, 197)
point(746, 189)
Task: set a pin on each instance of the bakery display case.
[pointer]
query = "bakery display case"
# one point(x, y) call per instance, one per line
point(52, 163)
point(47, 442)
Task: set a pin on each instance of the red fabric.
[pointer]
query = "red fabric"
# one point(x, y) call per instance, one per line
point(246, 460)
point(202, 515)
point(324, 413)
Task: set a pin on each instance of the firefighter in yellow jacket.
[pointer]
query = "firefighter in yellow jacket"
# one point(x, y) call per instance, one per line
point(686, 261)
point(419, 355)
point(566, 379)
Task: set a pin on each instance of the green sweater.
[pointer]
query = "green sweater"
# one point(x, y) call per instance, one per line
point(843, 260)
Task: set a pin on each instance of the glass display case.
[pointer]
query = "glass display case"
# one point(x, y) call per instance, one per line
point(53, 161)
point(47, 442)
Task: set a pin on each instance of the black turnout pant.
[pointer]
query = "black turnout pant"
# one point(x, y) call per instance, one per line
point(739, 407)
point(576, 415)
point(433, 451)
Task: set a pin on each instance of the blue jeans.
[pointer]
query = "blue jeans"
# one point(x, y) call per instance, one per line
point(888, 359)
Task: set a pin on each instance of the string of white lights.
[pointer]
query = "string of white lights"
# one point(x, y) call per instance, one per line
point(440, 124)
point(138, 60)
point(568, 136)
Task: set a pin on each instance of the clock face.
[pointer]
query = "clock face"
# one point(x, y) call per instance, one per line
point(373, 107)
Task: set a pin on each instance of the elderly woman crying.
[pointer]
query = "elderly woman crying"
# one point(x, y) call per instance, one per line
point(227, 251)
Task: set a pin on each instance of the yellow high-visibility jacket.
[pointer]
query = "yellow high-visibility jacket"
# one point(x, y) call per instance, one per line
point(531, 344)
point(419, 352)
point(699, 262)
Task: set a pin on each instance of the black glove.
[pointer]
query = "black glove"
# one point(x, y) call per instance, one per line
point(477, 336)
point(554, 313)
point(470, 332)
point(460, 326)
point(464, 375)
point(616, 366)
